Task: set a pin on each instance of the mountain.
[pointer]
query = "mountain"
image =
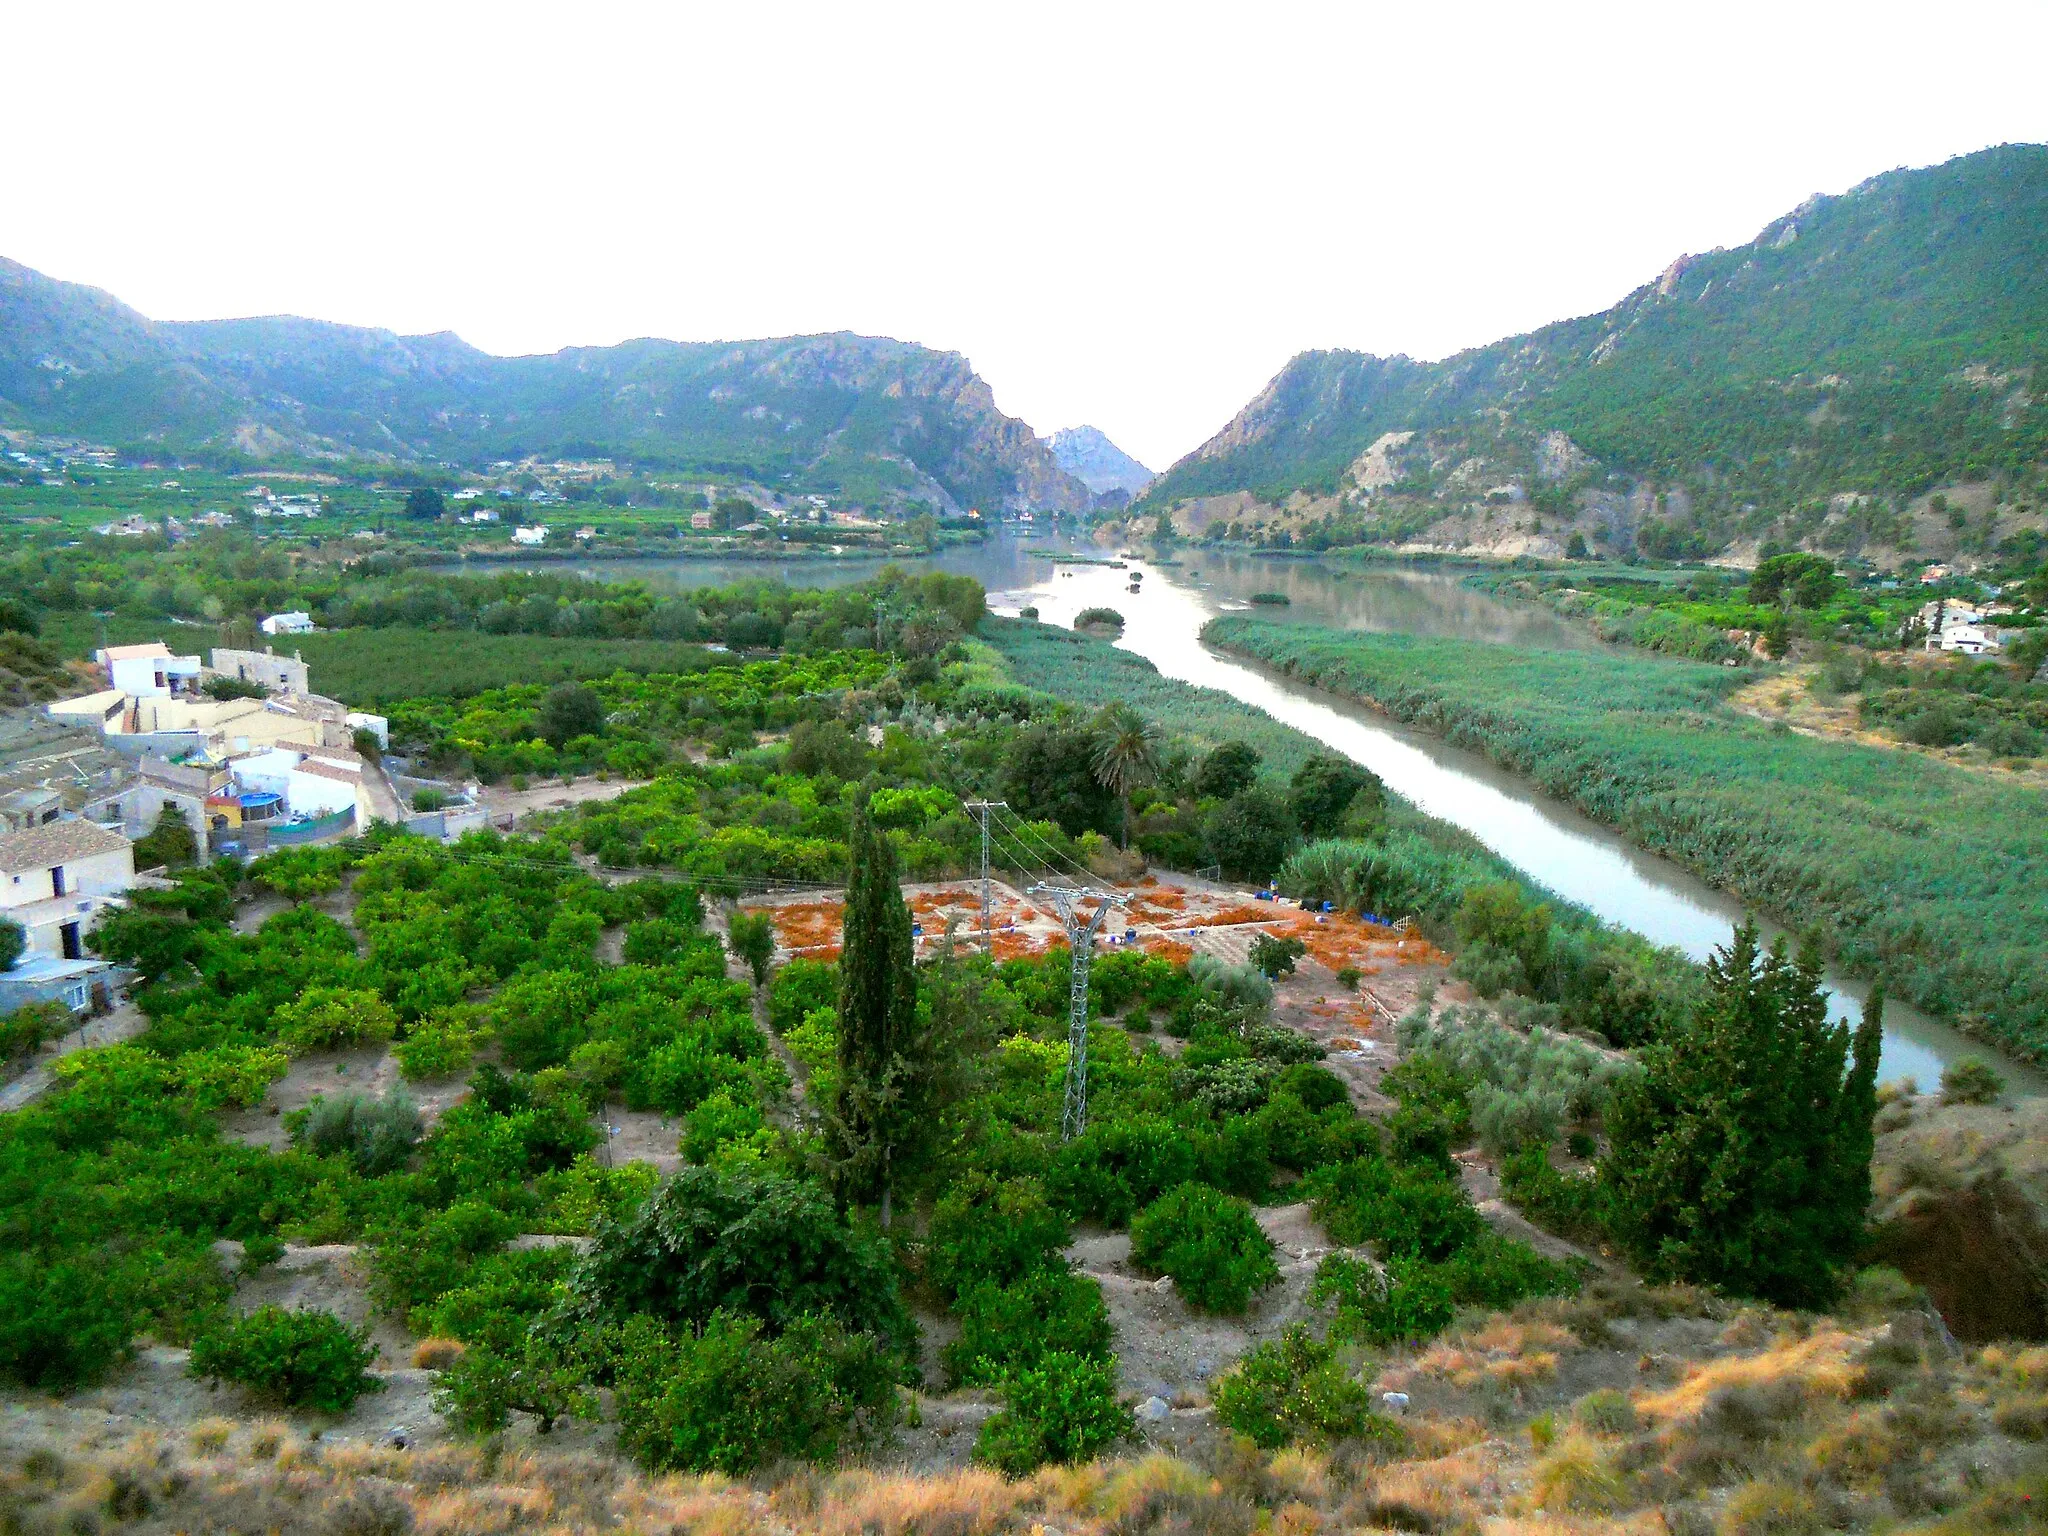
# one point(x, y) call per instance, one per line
point(1811, 385)
point(875, 419)
point(1090, 457)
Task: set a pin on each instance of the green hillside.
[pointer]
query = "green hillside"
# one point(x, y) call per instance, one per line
point(870, 417)
point(1881, 343)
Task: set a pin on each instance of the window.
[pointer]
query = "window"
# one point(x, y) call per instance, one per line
point(57, 881)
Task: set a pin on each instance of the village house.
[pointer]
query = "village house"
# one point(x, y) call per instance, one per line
point(1960, 628)
point(56, 879)
point(265, 668)
point(149, 671)
point(294, 623)
point(530, 534)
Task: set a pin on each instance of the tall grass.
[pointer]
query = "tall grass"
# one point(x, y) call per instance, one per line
point(1904, 867)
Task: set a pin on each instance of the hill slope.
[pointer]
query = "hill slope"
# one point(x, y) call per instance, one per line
point(1810, 384)
point(872, 417)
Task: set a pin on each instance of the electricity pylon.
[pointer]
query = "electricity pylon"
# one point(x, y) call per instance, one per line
point(981, 808)
point(1080, 939)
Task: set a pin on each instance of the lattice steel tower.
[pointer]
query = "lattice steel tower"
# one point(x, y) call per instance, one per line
point(1080, 939)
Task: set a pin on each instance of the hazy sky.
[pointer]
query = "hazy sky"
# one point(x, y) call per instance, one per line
point(1129, 215)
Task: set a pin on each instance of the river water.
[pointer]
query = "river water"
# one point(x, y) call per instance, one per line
point(1554, 844)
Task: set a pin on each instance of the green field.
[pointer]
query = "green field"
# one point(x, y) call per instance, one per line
point(1933, 877)
point(371, 667)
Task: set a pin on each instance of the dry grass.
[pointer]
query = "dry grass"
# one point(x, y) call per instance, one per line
point(1822, 1363)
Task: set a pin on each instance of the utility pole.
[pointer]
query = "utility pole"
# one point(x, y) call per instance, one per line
point(981, 809)
point(1080, 939)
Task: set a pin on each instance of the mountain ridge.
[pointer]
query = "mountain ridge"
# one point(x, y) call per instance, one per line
point(1089, 456)
point(1870, 345)
point(871, 417)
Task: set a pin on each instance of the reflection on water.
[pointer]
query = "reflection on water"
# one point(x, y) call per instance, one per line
point(1578, 859)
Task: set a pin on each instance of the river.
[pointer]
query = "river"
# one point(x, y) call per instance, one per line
point(1554, 844)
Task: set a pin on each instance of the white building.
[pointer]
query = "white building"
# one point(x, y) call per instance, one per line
point(56, 880)
point(294, 623)
point(530, 533)
point(1959, 628)
point(312, 784)
point(149, 671)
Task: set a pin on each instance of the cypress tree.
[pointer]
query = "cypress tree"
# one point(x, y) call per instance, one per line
point(1740, 1154)
point(879, 1074)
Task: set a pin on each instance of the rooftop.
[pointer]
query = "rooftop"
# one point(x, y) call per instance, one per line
point(130, 652)
point(57, 843)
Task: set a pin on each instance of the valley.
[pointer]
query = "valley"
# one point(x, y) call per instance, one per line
point(720, 936)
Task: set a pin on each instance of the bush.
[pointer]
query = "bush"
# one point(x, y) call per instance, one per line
point(440, 1046)
point(1063, 1410)
point(1008, 1328)
point(1107, 617)
point(23, 1030)
point(730, 1398)
point(1250, 834)
point(302, 1359)
point(1293, 1388)
point(486, 1383)
point(992, 1232)
point(1567, 1204)
point(1210, 1243)
point(1971, 1082)
point(722, 1119)
point(1116, 1167)
point(334, 1018)
point(751, 937)
point(740, 1241)
point(1409, 1210)
point(1273, 958)
point(378, 1134)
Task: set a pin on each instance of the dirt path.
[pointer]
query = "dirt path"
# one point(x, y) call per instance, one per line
point(500, 802)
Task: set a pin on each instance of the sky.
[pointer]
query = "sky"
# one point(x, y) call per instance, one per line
point(1128, 215)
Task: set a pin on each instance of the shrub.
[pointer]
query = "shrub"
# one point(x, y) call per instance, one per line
point(1409, 1299)
point(1116, 1167)
point(1064, 1410)
point(1236, 986)
point(1408, 1210)
point(378, 1134)
point(32, 1023)
point(1971, 1082)
point(302, 1359)
point(483, 1384)
point(731, 1398)
point(1317, 1088)
point(1293, 1388)
point(1250, 834)
point(992, 1232)
point(1210, 1243)
point(741, 1241)
point(1605, 1412)
point(237, 1075)
point(440, 1046)
point(1564, 1203)
point(1008, 1328)
point(724, 1118)
point(1274, 958)
point(751, 937)
point(1107, 618)
point(334, 1018)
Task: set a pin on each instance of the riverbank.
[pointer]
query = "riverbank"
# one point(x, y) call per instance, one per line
point(1905, 868)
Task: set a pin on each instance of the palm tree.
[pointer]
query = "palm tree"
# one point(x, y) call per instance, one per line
point(1126, 754)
